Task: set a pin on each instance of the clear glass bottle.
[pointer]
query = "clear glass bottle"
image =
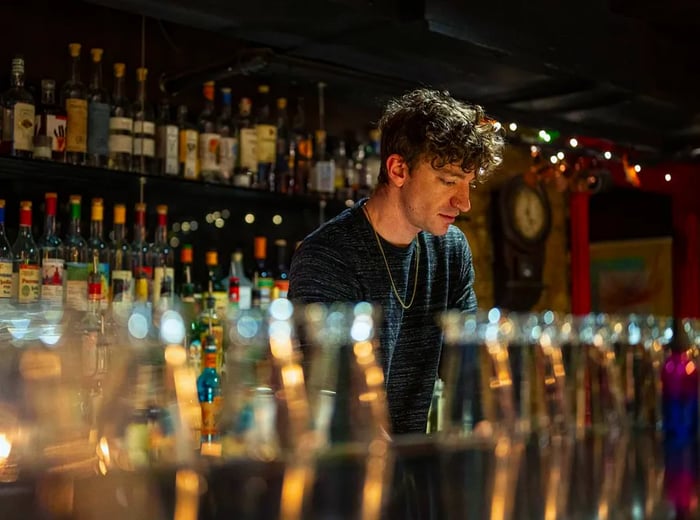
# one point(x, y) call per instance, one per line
point(51, 120)
point(122, 289)
point(74, 99)
point(209, 390)
point(245, 286)
point(18, 115)
point(97, 246)
point(161, 259)
point(26, 282)
point(189, 145)
point(52, 256)
point(247, 139)
point(6, 258)
point(209, 323)
point(228, 143)
point(144, 154)
point(208, 137)
point(98, 115)
point(76, 256)
point(142, 272)
point(167, 135)
point(266, 140)
point(121, 124)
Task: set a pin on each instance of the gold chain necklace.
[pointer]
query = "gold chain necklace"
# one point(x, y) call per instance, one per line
point(386, 263)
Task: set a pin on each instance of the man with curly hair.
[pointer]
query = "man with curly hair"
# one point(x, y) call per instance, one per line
point(399, 247)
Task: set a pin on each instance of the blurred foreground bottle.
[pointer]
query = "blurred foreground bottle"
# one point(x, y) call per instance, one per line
point(209, 392)
point(679, 379)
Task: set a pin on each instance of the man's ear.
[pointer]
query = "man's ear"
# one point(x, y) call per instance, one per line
point(397, 170)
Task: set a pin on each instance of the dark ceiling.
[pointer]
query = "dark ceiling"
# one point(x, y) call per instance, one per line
point(623, 70)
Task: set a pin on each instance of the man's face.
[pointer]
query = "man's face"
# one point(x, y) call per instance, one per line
point(432, 198)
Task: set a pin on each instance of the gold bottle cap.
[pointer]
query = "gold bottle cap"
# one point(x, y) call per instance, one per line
point(140, 206)
point(75, 199)
point(119, 214)
point(212, 258)
point(97, 210)
point(25, 204)
point(225, 90)
point(281, 103)
point(74, 49)
point(162, 209)
point(2, 203)
point(141, 73)
point(96, 55)
point(263, 89)
point(119, 70)
point(50, 195)
point(375, 134)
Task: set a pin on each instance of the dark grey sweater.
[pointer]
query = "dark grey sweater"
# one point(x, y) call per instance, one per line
point(341, 262)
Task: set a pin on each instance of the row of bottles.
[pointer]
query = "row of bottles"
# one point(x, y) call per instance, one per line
point(257, 148)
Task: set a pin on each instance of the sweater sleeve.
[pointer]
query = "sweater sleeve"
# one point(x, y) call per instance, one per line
point(320, 274)
point(466, 297)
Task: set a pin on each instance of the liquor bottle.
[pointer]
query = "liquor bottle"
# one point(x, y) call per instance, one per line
point(266, 140)
point(6, 259)
point(25, 254)
point(262, 279)
point(121, 124)
point(189, 310)
point(144, 154)
point(51, 120)
point(18, 112)
point(51, 255)
point(209, 323)
point(161, 259)
point(343, 165)
point(245, 286)
point(97, 246)
point(98, 115)
point(302, 151)
point(142, 272)
point(216, 282)
point(122, 290)
point(228, 143)
point(74, 99)
point(167, 141)
point(282, 274)
point(76, 256)
point(324, 167)
point(208, 137)
point(282, 170)
point(247, 142)
point(209, 391)
point(189, 145)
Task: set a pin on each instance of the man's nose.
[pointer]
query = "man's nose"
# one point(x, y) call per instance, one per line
point(461, 200)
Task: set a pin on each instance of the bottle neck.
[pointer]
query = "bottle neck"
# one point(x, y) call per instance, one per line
point(140, 228)
point(74, 229)
point(96, 229)
point(142, 93)
point(50, 225)
point(75, 69)
point(96, 80)
point(119, 232)
point(17, 79)
point(118, 87)
point(48, 97)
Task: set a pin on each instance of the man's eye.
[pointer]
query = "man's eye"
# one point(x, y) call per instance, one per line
point(448, 182)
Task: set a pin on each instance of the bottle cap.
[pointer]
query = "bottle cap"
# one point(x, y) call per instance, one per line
point(25, 204)
point(186, 254)
point(263, 89)
point(74, 49)
point(50, 195)
point(141, 74)
point(212, 258)
point(208, 90)
point(244, 105)
point(75, 199)
point(17, 65)
point(48, 84)
point(119, 214)
point(140, 207)
point(97, 210)
point(162, 209)
point(2, 203)
point(96, 55)
point(281, 103)
point(260, 247)
point(119, 69)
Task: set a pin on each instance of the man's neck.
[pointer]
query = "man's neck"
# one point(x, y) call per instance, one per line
point(389, 219)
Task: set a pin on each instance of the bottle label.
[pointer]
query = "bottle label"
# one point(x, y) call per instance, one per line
point(228, 154)
point(55, 127)
point(123, 125)
point(121, 144)
point(241, 180)
point(266, 143)
point(209, 152)
point(248, 145)
point(166, 148)
point(122, 286)
point(5, 279)
point(52, 274)
point(265, 286)
point(324, 176)
point(145, 146)
point(76, 139)
point(98, 129)
point(23, 127)
point(210, 416)
point(76, 285)
point(245, 297)
point(189, 152)
point(163, 283)
point(144, 127)
point(28, 283)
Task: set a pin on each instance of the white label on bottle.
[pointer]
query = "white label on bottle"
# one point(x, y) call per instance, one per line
point(209, 152)
point(28, 283)
point(241, 180)
point(189, 153)
point(325, 176)
point(121, 144)
point(76, 286)
point(23, 131)
point(145, 127)
point(122, 287)
point(245, 297)
point(167, 148)
point(163, 283)
point(248, 145)
point(56, 129)
point(5, 279)
point(266, 143)
point(121, 124)
point(228, 153)
point(52, 274)
point(145, 146)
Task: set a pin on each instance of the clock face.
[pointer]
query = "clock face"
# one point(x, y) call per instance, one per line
point(529, 213)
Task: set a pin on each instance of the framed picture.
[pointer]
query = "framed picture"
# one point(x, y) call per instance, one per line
point(632, 276)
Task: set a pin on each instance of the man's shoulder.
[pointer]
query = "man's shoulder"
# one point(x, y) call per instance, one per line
point(337, 232)
point(453, 241)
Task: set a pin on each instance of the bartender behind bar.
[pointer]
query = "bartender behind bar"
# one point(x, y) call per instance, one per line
point(399, 248)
